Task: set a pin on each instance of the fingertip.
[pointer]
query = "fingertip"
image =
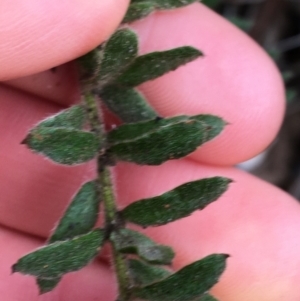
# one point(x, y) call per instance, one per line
point(40, 35)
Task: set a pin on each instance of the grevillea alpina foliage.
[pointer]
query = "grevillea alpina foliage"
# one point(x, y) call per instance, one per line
point(109, 76)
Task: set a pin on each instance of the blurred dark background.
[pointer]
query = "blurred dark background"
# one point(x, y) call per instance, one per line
point(275, 25)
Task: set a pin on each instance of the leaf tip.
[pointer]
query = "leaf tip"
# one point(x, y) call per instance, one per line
point(196, 52)
point(229, 181)
point(226, 255)
point(14, 268)
point(25, 140)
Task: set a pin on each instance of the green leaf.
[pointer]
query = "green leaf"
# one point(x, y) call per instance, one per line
point(155, 64)
point(54, 260)
point(119, 51)
point(89, 65)
point(138, 11)
point(73, 118)
point(156, 141)
point(81, 214)
point(47, 285)
point(128, 104)
point(144, 274)
point(63, 145)
point(131, 242)
point(190, 282)
point(177, 203)
point(170, 4)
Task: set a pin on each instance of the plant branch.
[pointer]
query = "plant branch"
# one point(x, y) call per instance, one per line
point(107, 194)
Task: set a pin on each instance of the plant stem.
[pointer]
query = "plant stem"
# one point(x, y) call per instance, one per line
point(108, 197)
point(112, 221)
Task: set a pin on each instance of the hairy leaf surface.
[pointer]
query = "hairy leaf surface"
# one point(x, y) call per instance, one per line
point(73, 117)
point(138, 11)
point(156, 141)
point(54, 260)
point(119, 52)
point(177, 203)
point(155, 64)
point(63, 145)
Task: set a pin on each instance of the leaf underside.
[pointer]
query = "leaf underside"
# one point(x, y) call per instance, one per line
point(144, 274)
point(81, 215)
point(131, 242)
point(127, 103)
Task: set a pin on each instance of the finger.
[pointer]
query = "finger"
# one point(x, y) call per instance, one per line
point(35, 192)
point(40, 35)
point(254, 222)
point(59, 84)
point(235, 80)
point(93, 283)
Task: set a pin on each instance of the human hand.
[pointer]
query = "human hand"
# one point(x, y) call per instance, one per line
point(254, 222)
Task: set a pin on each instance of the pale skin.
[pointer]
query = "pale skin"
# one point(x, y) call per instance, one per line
point(254, 222)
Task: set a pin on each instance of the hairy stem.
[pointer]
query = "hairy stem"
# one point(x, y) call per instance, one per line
point(108, 197)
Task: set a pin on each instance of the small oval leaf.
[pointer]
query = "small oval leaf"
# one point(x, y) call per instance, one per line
point(156, 141)
point(177, 203)
point(63, 145)
point(187, 284)
point(131, 242)
point(81, 215)
point(127, 103)
point(119, 52)
point(143, 274)
point(152, 65)
point(54, 260)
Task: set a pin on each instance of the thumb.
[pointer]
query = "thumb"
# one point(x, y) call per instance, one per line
point(37, 35)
